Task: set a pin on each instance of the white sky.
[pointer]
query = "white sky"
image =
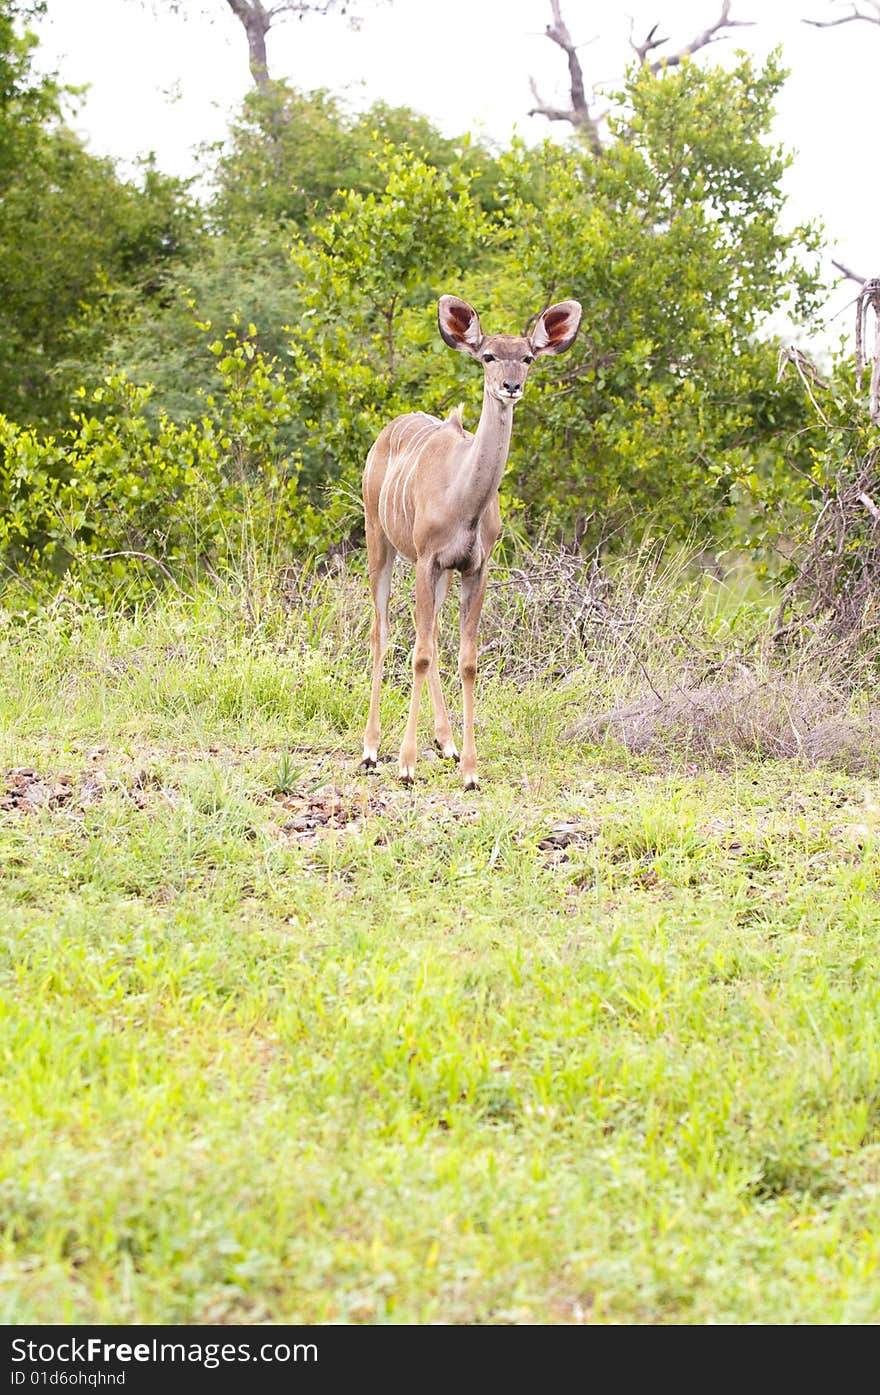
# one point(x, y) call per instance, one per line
point(165, 83)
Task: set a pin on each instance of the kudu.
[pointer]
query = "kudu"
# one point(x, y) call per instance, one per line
point(431, 494)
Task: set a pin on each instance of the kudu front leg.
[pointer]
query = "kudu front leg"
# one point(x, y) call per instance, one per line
point(443, 738)
point(427, 577)
point(473, 590)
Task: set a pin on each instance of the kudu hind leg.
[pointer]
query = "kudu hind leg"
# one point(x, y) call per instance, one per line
point(381, 562)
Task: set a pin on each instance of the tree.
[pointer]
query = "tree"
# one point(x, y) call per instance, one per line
point(268, 193)
point(27, 100)
point(238, 285)
point(674, 244)
point(72, 235)
point(257, 18)
point(580, 113)
point(289, 153)
point(667, 413)
point(369, 275)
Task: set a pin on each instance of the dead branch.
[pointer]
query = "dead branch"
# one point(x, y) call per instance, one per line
point(807, 372)
point(838, 566)
point(804, 365)
point(869, 299)
point(144, 557)
point(848, 272)
point(648, 44)
point(578, 114)
point(707, 36)
point(848, 19)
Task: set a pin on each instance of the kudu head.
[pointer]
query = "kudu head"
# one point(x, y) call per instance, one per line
point(507, 358)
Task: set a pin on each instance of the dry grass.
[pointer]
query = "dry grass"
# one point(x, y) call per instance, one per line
point(794, 716)
point(672, 662)
point(834, 593)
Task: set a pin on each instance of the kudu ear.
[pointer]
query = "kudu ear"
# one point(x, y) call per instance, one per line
point(459, 324)
point(556, 329)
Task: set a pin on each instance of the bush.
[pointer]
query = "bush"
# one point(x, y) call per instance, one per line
point(120, 499)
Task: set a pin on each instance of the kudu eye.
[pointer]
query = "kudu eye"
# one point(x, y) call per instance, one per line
point(488, 358)
point(528, 358)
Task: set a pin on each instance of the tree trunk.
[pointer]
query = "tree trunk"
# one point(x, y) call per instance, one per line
point(256, 22)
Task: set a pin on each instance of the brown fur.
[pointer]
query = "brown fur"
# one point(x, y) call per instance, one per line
point(430, 491)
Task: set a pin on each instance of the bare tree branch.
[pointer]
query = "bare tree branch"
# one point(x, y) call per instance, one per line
point(848, 19)
point(707, 36)
point(648, 44)
point(145, 557)
point(869, 299)
point(869, 505)
point(807, 372)
point(849, 273)
point(578, 113)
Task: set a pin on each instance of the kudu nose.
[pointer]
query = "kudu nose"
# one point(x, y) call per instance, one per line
point(513, 389)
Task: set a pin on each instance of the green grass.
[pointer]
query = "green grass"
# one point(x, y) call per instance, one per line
point(285, 1043)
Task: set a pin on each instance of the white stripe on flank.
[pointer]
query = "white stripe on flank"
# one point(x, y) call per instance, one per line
point(403, 458)
point(412, 458)
point(371, 456)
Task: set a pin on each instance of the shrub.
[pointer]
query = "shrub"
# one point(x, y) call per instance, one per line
point(122, 499)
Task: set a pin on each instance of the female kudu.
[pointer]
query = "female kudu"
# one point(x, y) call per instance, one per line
point(431, 494)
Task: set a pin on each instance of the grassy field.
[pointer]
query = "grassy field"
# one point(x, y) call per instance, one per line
point(286, 1043)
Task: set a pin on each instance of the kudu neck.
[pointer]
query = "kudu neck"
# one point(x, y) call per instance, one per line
point(487, 453)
